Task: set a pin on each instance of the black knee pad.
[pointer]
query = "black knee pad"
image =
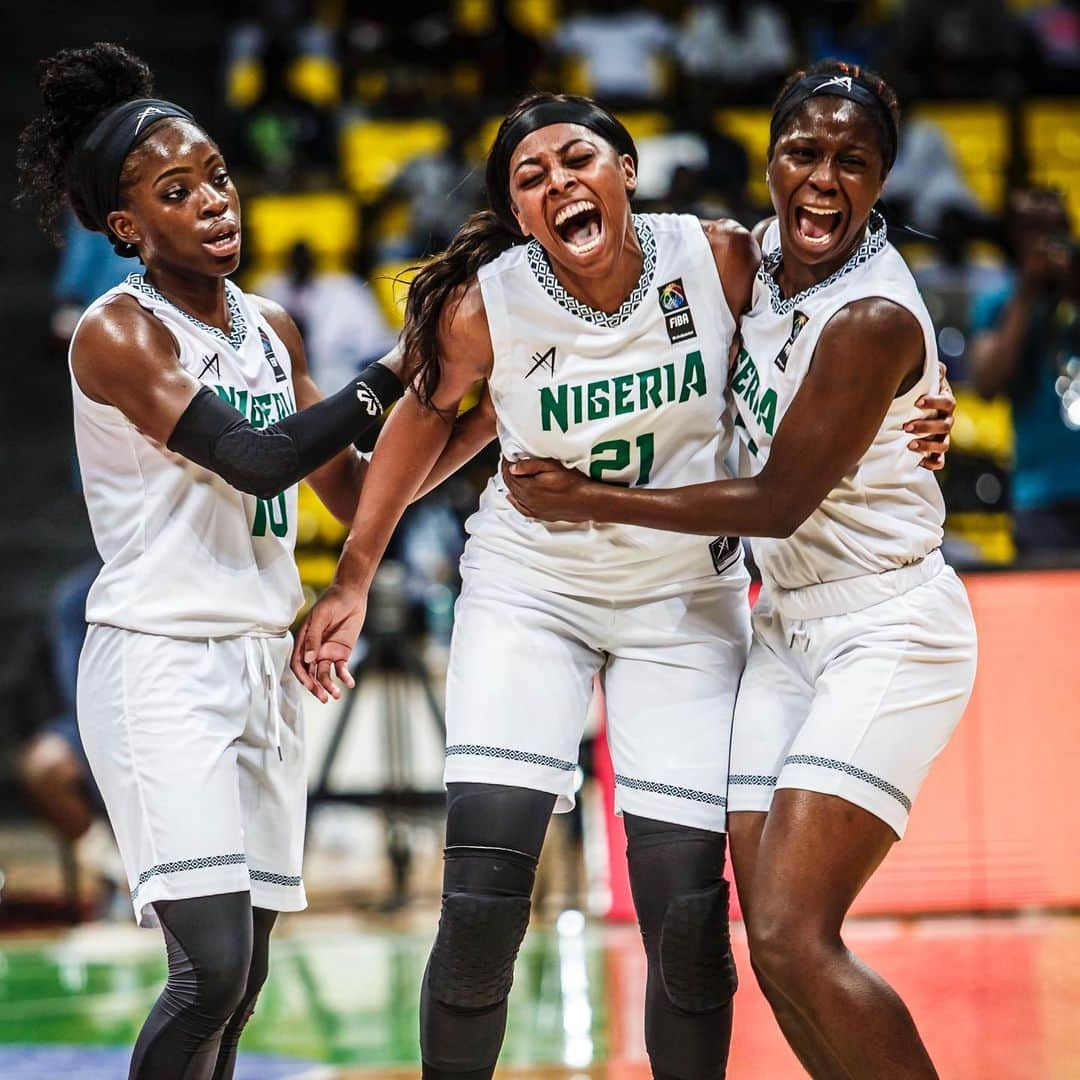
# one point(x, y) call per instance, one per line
point(485, 912)
point(696, 964)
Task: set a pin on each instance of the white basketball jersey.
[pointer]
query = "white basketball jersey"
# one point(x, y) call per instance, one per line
point(632, 397)
point(185, 554)
point(887, 512)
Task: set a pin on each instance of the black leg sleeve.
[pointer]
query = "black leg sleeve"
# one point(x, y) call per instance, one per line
point(209, 942)
point(260, 967)
point(681, 898)
point(493, 838)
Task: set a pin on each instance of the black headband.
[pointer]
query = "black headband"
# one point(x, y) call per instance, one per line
point(543, 114)
point(845, 86)
point(100, 154)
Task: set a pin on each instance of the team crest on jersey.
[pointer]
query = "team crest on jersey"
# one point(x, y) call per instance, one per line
point(271, 359)
point(676, 309)
point(798, 321)
point(545, 359)
point(724, 551)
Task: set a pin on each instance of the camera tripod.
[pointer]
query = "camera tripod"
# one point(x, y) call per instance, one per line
point(389, 664)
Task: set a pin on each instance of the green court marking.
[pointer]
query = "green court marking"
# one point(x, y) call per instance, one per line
point(339, 998)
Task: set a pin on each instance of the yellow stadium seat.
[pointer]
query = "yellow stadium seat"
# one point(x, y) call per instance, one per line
point(244, 84)
point(316, 79)
point(979, 137)
point(751, 128)
point(990, 534)
point(537, 17)
point(643, 124)
point(1052, 129)
point(328, 221)
point(373, 152)
point(983, 427)
point(390, 282)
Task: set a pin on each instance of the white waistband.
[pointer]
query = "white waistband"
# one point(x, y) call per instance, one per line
point(854, 593)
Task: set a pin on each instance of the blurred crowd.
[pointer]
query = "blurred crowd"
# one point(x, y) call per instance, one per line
point(358, 140)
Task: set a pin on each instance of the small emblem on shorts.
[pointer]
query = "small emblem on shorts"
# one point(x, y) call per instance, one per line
point(544, 359)
point(271, 359)
point(676, 309)
point(211, 363)
point(724, 551)
point(798, 321)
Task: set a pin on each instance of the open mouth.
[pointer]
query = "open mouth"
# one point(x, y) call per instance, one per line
point(580, 226)
point(227, 243)
point(817, 227)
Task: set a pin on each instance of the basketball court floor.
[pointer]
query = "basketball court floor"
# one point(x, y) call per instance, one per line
point(997, 998)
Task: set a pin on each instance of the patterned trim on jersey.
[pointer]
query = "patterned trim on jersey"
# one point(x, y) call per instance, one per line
point(752, 781)
point(851, 770)
point(670, 789)
point(236, 859)
point(275, 879)
point(238, 327)
point(511, 755)
point(875, 240)
point(542, 271)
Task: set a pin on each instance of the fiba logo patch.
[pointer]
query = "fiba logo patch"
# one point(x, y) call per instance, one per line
point(271, 359)
point(798, 321)
point(676, 309)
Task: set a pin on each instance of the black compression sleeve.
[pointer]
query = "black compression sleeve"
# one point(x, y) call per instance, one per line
point(213, 434)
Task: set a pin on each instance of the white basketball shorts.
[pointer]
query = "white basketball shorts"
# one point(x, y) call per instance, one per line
point(857, 704)
point(197, 747)
point(521, 672)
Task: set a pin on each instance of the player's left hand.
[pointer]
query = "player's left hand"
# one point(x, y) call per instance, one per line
point(545, 489)
point(931, 431)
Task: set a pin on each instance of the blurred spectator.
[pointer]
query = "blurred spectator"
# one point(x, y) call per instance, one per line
point(962, 49)
point(1026, 345)
point(697, 170)
point(925, 181)
point(88, 267)
point(1055, 28)
point(624, 52)
point(285, 140)
point(848, 30)
point(53, 766)
point(340, 320)
point(952, 280)
point(741, 46)
point(440, 190)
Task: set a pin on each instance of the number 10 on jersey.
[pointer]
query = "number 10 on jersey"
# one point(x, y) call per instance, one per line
point(273, 513)
point(613, 455)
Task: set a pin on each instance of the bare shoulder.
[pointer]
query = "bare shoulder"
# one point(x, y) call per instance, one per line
point(463, 328)
point(875, 322)
point(280, 321)
point(730, 240)
point(761, 228)
point(119, 329)
point(737, 257)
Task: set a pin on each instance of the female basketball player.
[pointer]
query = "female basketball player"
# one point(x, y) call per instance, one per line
point(604, 338)
point(863, 652)
point(183, 385)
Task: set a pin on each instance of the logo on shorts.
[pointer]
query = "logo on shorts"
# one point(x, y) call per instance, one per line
point(544, 359)
point(724, 551)
point(271, 359)
point(676, 309)
point(798, 321)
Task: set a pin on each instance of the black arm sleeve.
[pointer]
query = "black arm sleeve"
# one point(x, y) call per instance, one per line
point(213, 434)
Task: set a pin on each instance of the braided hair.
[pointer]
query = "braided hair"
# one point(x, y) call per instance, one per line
point(78, 86)
point(886, 118)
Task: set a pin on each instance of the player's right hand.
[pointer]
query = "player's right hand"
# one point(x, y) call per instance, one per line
point(325, 641)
